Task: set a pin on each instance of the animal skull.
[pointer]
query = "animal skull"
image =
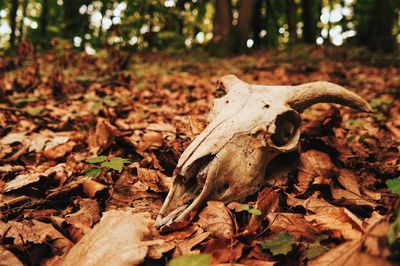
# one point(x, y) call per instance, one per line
point(248, 127)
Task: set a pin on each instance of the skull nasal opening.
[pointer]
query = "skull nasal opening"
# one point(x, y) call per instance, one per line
point(287, 129)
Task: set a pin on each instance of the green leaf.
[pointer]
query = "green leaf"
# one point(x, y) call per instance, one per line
point(255, 211)
point(394, 185)
point(394, 230)
point(98, 159)
point(245, 207)
point(280, 244)
point(92, 172)
point(315, 250)
point(191, 260)
point(116, 163)
point(351, 138)
point(35, 111)
point(25, 100)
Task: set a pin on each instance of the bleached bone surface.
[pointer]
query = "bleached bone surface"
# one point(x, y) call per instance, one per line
point(248, 127)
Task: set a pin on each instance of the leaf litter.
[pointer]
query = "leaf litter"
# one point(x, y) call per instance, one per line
point(85, 166)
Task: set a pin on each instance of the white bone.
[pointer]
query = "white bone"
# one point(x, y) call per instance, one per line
point(248, 128)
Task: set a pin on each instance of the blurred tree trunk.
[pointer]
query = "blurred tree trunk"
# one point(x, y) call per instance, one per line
point(13, 21)
point(383, 18)
point(291, 19)
point(21, 25)
point(309, 21)
point(257, 23)
point(71, 21)
point(245, 18)
point(375, 20)
point(43, 20)
point(272, 24)
point(222, 21)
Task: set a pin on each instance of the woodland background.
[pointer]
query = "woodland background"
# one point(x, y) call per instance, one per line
point(98, 100)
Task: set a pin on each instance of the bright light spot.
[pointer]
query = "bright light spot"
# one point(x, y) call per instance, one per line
point(156, 28)
point(336, 16)
point(95, 19)
point(27, 21)
point(89, 49)
point(5, 28)
point(235, 14)
point(349, 33)
point(324, 33)
point(209, 35)
point(144, 29)
point(350, 25)
point(34, 25)
point(3, 13)
point(117, 39)
point(262, 33)
point(106, 23)
point(348, 2)
point(320, 40)
point(186, 6)
point(200, 37)
point(325, 15)
point(60, 2)
point(77, 41)
point(83, 9)
point(116, 20)
point(169, 3)
point(118, 10)
point(250, 43)
point(87, 36)
point(281, 30)
point(337, 40)
point(347, 11)
point(133, 40)
point(188, 42)
point(194, 1)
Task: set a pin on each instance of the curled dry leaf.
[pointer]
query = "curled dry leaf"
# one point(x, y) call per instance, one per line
point(82, 221)
point(101, 137)
point(224, 250)
point(314, 164)
point(267, 202)
point(216, 219)
point(33, 176)
point(120, 238)
point(93, 188)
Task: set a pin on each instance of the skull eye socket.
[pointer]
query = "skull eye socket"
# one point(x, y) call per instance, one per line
point(287, 127)
point(220, 91)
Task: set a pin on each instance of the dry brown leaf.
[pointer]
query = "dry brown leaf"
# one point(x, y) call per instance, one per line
point(120, 238)
point(314, 164)
point(267, 202)
point(93, 188)
point(350, 181)
point(216, 219)
point(223, 250)
point(101, 137)
point(8, 259)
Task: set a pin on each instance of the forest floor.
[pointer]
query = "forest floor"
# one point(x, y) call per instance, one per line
point(81, 135)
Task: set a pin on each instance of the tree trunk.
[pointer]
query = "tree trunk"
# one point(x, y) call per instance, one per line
point(272, 25)
point(43, 20)
point(245, 18)
point(382, 38)
point(21, 25)
point(257, 23)
point(222, 21)
point(291, 19)
point(13, 21)
point(309, 28)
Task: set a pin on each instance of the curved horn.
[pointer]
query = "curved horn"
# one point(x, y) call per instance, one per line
point(302, 96)
point(229, 82)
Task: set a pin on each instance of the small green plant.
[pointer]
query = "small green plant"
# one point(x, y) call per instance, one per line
point(191, 260)
point(282, 244)
point(250, 210)
point(394, 185)
point(115, 163)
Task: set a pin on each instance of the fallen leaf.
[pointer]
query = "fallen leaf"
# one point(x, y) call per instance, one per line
point(216, 219)
point(282, 243)
point(191, 260)
point(120, 238)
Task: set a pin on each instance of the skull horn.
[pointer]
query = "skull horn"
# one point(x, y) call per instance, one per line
point(302, 96)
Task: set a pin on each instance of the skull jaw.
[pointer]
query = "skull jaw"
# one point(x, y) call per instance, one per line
point(225, 178)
